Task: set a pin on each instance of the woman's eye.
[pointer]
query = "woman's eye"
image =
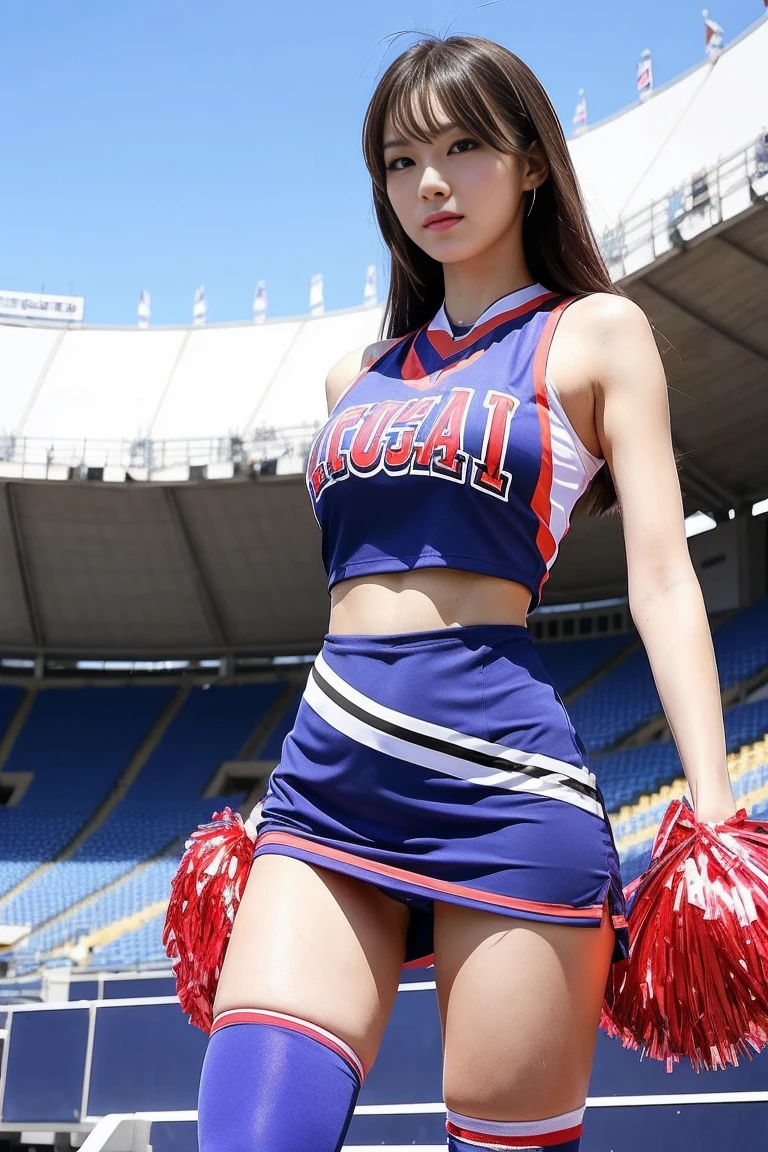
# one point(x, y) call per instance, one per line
point(472, 144)
point(395, 165)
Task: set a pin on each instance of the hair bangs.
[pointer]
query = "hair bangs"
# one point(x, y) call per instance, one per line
point(441, 83)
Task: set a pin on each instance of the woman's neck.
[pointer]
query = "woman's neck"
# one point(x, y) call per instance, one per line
point(469, 290)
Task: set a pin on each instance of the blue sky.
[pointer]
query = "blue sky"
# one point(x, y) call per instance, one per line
point(164, 144)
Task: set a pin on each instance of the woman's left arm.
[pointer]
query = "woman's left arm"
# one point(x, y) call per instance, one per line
point(665, 597)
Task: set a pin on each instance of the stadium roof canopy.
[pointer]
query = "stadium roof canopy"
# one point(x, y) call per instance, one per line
point(170, 560)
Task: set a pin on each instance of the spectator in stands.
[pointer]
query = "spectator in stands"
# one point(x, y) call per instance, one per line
point(761, 155)
point(699, 190)
point(433, 797)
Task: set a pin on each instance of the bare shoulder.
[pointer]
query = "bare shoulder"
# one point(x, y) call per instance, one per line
point(345, 370)
point(606, 314)
point(606, 337)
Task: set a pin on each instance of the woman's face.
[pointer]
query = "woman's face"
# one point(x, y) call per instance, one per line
point(459, 174)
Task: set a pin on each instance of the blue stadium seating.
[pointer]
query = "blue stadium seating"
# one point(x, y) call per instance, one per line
point(141, 946)
point(137, 889)
point(624, 776)
point(162, 806)
point(10, 698)
point(75, 742)
point(29, 839)
point(272, 747)
point(570, 662)
point(741, 644)
point(745, 723)
point(618, 704)
point(78, 740)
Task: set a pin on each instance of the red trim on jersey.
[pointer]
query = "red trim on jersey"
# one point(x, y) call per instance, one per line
point(413, 369)
point(312, 848)
point(445, 344)
point(541, 503)
point(543, 1140)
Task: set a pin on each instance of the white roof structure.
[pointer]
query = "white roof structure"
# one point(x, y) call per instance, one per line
point(101, 384)
point(90, 385)
point(701, 118)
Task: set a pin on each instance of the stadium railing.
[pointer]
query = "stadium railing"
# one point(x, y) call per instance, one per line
point(266, 451)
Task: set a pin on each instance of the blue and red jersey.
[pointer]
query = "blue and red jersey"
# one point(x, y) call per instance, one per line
point(453, 452)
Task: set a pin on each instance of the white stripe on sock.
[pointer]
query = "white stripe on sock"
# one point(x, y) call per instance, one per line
point(519, 1127)
point(307, 1025)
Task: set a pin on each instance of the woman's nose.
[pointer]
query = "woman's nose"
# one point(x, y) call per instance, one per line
point(432, 181)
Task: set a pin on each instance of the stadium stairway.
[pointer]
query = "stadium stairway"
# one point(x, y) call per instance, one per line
point(95, 944)
point(110, 802)
point(51, 802)
point(15, 707)
point(576, 665)
point(273, 727)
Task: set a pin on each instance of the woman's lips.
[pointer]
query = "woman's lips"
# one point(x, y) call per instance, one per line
point(441, 225)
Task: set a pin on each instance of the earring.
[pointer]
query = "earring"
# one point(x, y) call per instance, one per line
point(533, 201)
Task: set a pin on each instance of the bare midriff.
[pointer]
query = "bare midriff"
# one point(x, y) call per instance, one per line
point(424, 600)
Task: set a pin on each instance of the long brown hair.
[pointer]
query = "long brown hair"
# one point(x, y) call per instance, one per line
point(484, 88)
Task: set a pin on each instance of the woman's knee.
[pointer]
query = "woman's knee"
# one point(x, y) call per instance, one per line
point(317, 945)
point(520, 1004)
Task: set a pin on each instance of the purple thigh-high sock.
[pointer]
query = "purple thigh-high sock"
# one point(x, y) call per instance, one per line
point(275, 1083)
point(556, 1134)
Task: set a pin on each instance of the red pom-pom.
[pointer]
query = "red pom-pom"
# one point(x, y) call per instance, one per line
point(696, 981)
point(205, 894)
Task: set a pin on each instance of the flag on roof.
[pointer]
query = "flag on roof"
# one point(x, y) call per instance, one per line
point(645, 74)
point(144, 309)
point(713, 35)
point(580, 115)
point(199, 306)
point(260, 303)
point(316, 305)
point(369, 294)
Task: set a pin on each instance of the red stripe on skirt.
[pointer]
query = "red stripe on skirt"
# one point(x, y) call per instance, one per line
point(594, 911)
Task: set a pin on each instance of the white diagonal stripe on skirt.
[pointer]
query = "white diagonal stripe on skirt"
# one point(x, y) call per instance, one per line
point(556, 784)
point(450, 735)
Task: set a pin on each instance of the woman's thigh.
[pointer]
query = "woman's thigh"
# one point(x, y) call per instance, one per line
point(520, 1004)
point(315, 944)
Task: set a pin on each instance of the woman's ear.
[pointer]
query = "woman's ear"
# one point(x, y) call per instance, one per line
point(536, 168)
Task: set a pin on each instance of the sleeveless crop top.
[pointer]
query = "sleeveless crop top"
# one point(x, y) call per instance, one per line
point(453, 452)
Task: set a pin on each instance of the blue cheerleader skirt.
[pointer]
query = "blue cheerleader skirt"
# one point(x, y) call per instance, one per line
point(443, 765)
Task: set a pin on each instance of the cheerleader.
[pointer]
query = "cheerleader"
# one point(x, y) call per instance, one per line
point(433, 800)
